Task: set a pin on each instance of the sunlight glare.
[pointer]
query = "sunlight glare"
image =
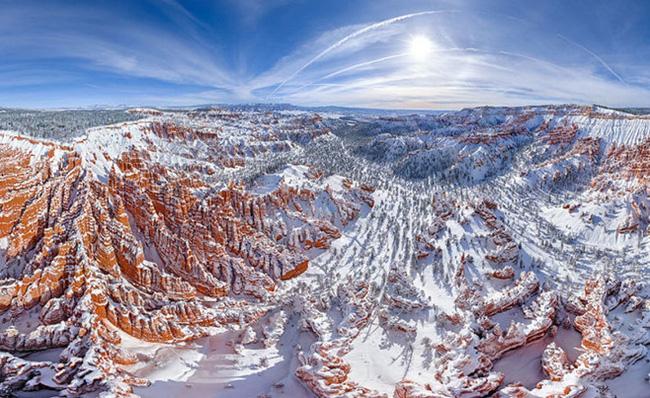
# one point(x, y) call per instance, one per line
point(420, 47)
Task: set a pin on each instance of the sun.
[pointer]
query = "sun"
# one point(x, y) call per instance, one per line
point(420, 47)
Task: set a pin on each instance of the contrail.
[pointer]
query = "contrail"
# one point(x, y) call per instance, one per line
point(383, 59)
point(528, 57)
point(353, 35)
point(361, 65)
point(388, 58)
point(352, 67)
point(445, 50)
point(593, 54)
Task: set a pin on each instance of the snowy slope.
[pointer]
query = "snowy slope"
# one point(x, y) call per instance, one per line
point(243, 253)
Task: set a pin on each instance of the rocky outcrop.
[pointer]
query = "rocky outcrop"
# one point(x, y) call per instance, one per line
point(443, 210)
point(464, 358)
point(465, 354)
point(128, 244)
point(507, 250)
point(323, 370)
point(540, 314)
point(605, 353)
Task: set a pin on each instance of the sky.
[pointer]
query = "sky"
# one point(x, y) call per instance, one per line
point(408, 54)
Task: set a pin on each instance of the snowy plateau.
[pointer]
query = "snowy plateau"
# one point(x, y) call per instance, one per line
point(271, 251)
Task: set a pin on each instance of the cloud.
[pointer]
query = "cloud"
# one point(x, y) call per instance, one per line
point(357, 33)
point(368, 66)
point(467, 77)
point(479, 58)
point(252, 10)
point(106, 40)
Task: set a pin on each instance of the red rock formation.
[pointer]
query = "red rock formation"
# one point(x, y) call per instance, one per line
point(555, 362)
point(135, 253)
point(605, 354)
point(542, 314)
point(464, 358)
point(323, 370)
point(561, 135)
point(443, 210)
point(507, 251)
point(503, 273)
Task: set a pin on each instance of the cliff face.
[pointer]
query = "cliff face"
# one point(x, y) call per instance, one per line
point(128, 244)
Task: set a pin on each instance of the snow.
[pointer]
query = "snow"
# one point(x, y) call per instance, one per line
point(291, 175)
point(562, 248)
point(210, 367)
point(623, 131)
point(629, 384)
point(524, 365)
point(38, 148)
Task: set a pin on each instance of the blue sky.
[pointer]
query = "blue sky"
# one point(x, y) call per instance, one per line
point(365, 53)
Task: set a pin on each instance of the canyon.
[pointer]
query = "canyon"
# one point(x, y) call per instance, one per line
point(266, 252)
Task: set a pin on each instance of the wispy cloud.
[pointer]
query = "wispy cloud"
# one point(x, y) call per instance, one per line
point(352, 36)
point(466, 77)
point(113, 42)
point(385, 76)
point(252, 10)
point(180, 57)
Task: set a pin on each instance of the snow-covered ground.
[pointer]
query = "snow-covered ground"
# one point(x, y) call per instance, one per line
point(466, 206)
point(562, 248)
